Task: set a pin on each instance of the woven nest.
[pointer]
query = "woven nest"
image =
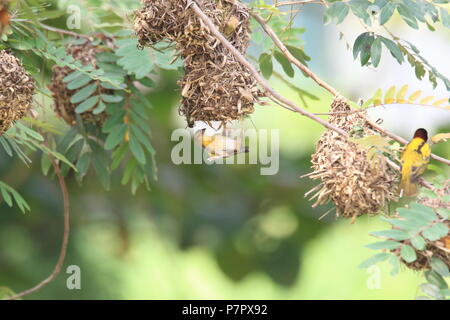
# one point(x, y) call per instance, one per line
point(356, 183)
point(216, 87)
point(16, 90)
point(85, 53)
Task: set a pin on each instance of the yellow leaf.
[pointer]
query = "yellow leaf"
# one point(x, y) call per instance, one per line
point(426, 100)
point(389, 97)
point(447, 107)
point(439, 102)
point(377, 97)
point(368, 103)
point(441, 137)
point(378, 94)
point(402, 93)
point(414, 96)
point(376, 141)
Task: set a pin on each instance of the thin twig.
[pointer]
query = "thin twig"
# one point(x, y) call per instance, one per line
point(291, 58)
point(293, 3)
point(62, 254)
point(66, 32)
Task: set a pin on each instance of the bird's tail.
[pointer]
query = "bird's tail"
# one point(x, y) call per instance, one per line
point(407, 187)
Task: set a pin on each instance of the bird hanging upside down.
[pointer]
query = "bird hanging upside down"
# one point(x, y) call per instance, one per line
point(220, 145)
point(414, 160)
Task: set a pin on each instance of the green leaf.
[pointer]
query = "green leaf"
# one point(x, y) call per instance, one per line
point(79, 82)
point(100, 108)
point(391, 234)
point(134, 60)
point(363, 47)
point(408, 253)
point(287, 67)
point(389, 245)
point(394, 49)
point(88, 104)
point(359, 42)
point(336, 13)
point(386, 12)
point(30, 132)
point(111, 99)
point(142, 137)
point(72, 76)
point(83, 163)
point(116, 136)
point(408, 16)
point(406, 225)
point(266, 65)
point(436, 232)
point(379, 257)
point(419, 243)
point(395, 263)
point(6, 196)
point(137, 150)
point(375, 52)
point(10, 196)
point(445, 17)
point(416, 216)
point(45, 164)
point(431, 290)
point(299, 54)
point(84, 93)
point(100, 163)
point(436, 279)
point(440, 267)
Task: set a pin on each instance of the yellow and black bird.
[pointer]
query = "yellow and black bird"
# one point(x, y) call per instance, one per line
point(415, 158)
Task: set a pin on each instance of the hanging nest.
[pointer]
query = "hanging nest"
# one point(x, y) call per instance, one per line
point(357, 183)
point(16, 90)
point(216, 87)
point(85, 53)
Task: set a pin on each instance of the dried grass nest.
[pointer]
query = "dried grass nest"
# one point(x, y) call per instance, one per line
point(356, 183)
point(86, 54)
point(16, 90)
point(215, 87)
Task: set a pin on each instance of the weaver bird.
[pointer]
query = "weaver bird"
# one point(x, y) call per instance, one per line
point(220, 145)
point(4, 16)
point(415, 158)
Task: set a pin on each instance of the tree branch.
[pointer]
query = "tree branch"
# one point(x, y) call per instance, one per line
point(66, 32)
point(292, 3)
point(65, 241)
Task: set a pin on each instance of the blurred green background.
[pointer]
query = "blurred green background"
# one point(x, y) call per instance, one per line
point(209, 232)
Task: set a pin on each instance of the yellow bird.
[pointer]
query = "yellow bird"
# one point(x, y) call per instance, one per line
point(415, 158)
point(220, 145)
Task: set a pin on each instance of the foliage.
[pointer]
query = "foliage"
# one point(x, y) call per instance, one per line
point(368, 46)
